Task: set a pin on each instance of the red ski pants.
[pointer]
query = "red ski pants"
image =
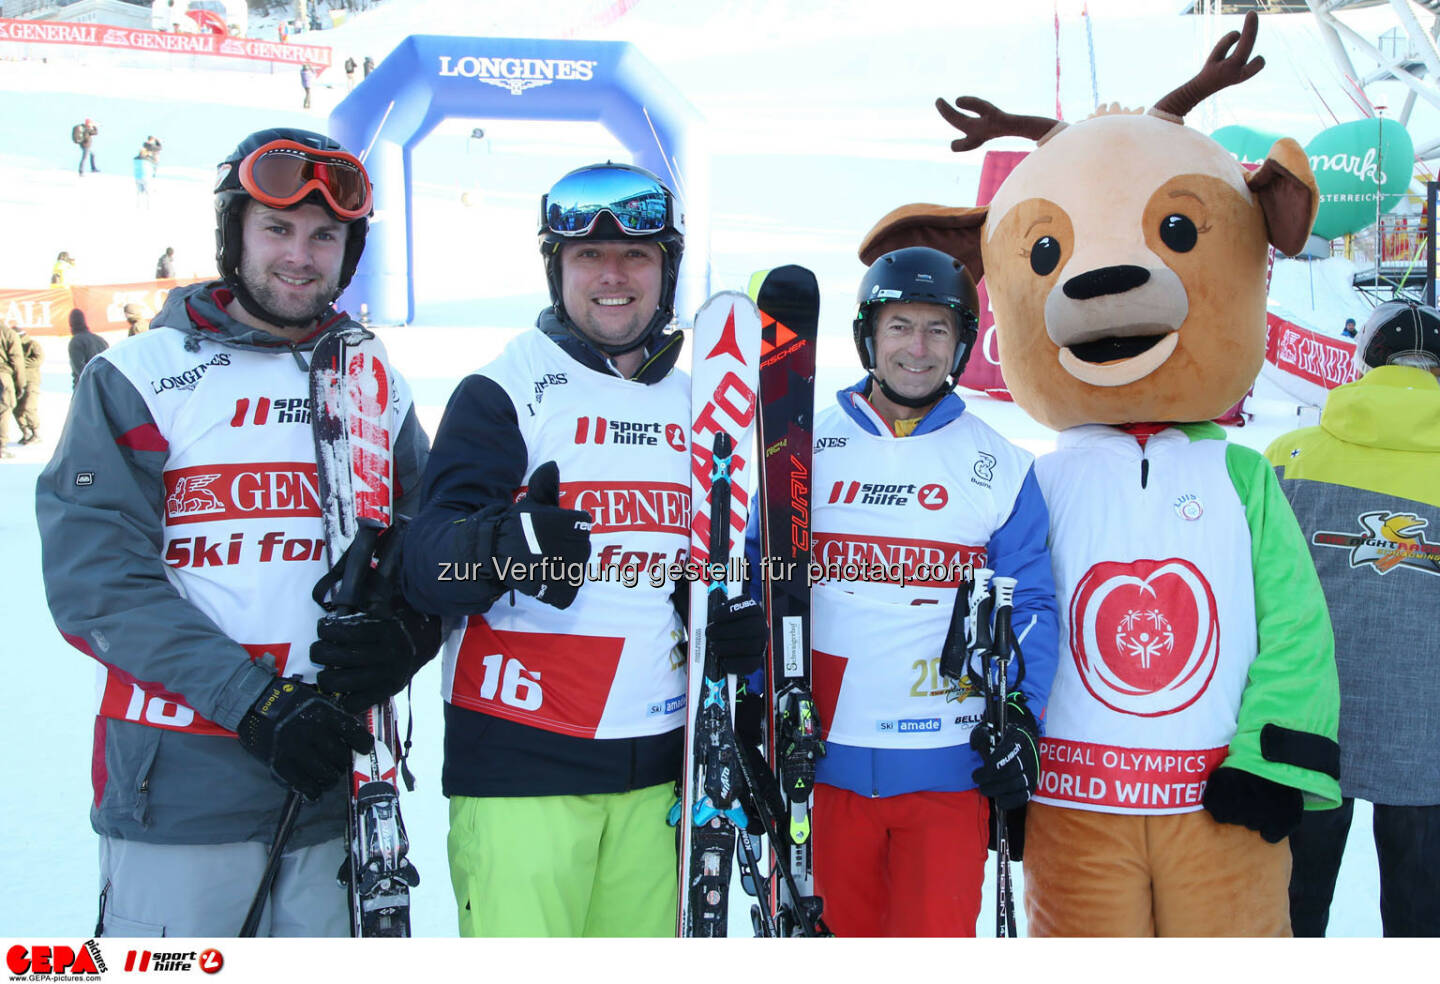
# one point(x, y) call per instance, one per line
point(908, 865)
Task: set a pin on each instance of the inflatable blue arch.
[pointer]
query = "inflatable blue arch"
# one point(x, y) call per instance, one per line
point(428, 79)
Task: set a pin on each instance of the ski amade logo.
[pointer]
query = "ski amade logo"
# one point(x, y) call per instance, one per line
point(1145, 635)
point(160, 961)
point(909, 726)
point(44, 961)
point(1387, 540)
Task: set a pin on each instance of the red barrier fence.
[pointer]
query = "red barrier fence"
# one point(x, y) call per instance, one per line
point(47, 311)
point(1308, 355)
point(134, 39)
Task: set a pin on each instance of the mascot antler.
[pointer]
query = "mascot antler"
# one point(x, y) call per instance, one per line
point(1220, 71)
point(990, 122)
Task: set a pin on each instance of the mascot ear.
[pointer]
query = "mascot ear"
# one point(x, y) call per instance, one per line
point(1288, 194)
point(955, 231)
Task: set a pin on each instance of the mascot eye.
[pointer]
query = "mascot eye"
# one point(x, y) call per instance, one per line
point(1178, 232)
point(1044, 255)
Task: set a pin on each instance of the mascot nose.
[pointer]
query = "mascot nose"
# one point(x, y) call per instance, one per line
point(1105, 281)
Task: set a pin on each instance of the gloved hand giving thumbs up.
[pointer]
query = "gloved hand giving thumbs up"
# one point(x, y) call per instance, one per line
point(538, 545)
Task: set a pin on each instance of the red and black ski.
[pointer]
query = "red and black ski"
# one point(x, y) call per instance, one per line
point(710, 815)
point(789, 301)
point(353, 419)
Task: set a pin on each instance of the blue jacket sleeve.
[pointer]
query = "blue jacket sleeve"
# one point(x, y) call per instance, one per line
point(476, 464)
point(1020, 549)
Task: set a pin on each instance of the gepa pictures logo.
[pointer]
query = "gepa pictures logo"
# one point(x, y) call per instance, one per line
point(45, 962)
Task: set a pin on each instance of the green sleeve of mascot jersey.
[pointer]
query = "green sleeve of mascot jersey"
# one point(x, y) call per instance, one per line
point(1293, 684)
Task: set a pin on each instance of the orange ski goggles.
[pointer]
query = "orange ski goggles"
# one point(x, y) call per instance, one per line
point(282, 173)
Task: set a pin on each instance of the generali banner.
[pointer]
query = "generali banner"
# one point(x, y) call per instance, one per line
point(47, 311)
point(106, 36)
point(1313, 357)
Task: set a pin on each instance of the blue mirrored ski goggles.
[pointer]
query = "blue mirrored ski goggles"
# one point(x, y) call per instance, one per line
point(639, 204)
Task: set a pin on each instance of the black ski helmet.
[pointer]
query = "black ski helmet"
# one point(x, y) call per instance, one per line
point(1399, 333)
point(230, 199)
point(921, 275)
point(606, 227)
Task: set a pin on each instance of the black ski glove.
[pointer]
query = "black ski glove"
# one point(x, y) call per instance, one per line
point(366, 658)
point(536, 529)
point(738, 635)
point(750, 711)
point(1010, 762)
point(1239, 797)
point(306, 741)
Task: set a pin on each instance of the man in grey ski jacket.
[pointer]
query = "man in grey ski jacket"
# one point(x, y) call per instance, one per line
point(181, 535)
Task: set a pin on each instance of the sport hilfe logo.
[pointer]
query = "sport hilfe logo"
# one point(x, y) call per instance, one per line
point(145, 961)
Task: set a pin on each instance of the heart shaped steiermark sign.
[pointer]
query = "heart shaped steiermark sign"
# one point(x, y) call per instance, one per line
point(1145, 635)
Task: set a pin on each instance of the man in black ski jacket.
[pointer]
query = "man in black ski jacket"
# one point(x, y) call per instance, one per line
point(84, 345)
point(565, 684)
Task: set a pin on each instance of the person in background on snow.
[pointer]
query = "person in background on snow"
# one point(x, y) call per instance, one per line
point(1365, 486)
point(226, 685)
point(84, 345)
point(350, 67)
point(144, 171)
point(369, 66)
point(165, 266)
point(84, 134)
point(307, 76)
point(135, 318)
point(60, 272)
point(1349, 330)
point(560, 777)
point(12, 381)
point(901, 820)
point(27, 406)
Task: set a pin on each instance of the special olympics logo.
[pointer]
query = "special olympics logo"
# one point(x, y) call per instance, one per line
point(1145, 635)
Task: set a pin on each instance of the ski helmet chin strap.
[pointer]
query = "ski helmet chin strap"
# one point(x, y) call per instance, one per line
point(914, 402)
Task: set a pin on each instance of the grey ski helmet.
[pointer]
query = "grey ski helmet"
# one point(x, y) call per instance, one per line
point(613, 203)
point(918, 274)
point(231, 196)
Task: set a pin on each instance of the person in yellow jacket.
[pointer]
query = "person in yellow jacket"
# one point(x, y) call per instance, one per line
point(60, 272)
point(1365, 486)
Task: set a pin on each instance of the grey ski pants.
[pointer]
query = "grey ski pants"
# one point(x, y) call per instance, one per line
point(206, 889)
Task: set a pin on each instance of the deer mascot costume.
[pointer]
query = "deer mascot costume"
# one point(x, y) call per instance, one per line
point(1196, 714)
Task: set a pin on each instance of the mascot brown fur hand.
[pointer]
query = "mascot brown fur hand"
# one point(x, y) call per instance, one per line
point(1126, 265)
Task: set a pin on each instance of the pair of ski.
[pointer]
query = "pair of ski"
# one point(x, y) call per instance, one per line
point(752, 362)
point(354, 425)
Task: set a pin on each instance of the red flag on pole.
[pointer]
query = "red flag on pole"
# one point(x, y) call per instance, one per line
point(1058, 114)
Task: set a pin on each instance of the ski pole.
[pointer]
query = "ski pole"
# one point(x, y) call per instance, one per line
point(1001, 647)
point(272, 866)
